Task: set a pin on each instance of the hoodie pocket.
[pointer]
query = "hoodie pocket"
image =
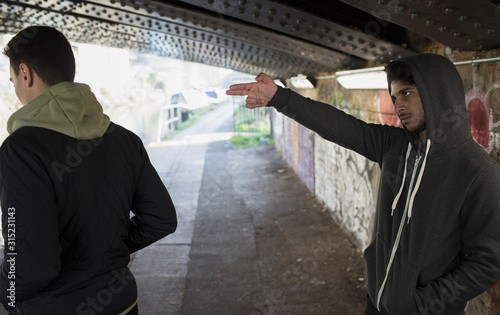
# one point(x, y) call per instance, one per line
point(370, 257)
point(399, 293)
point(398, 296)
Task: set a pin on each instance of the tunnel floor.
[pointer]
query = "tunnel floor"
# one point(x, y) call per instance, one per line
point(252, 238)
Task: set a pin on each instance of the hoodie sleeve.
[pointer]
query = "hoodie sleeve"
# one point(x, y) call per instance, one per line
point(480, 269)
point(369, 140)
point(155, 215)
point(29, 225)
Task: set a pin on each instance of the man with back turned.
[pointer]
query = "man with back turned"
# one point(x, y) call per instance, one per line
point(69, 179)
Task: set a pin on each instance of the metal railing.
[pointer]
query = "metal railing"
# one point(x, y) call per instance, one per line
point(250, 121)
point(167, 121)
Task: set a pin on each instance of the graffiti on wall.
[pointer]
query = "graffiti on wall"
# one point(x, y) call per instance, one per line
point(299, 151)
point(480, 115)
point(277, 129)
point(305, 163)
point(482, 86)
point(494, 101)
point(385, 107)
point(344, 181)
point(288, 126)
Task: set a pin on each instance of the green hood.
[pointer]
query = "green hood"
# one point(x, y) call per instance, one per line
point(67, 107)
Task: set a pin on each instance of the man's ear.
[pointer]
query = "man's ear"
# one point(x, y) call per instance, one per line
point(26, 73)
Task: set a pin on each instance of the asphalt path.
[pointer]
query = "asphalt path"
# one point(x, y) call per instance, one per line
point(252, 238)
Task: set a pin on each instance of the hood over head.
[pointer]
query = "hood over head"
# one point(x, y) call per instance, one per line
point(443, 99)
point(67, 107)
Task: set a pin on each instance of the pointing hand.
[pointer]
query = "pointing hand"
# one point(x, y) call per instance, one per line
point(258, 93)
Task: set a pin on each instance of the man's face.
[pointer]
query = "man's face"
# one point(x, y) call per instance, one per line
point(17, 80)
point(408, 105)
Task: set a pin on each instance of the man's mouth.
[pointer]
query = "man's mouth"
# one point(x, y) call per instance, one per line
point(404, 118)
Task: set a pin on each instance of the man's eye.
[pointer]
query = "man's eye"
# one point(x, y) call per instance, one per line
point(406, 93)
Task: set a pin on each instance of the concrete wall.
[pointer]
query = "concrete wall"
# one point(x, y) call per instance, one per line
point(347, 183)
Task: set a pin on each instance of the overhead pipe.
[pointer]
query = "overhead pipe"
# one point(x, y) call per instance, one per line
point(475, 62)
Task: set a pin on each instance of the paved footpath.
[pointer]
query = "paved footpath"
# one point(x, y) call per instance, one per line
point(252, 238)
point(161, 269)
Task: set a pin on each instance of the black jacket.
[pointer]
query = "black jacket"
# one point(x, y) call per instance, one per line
point(66, 208)
point(435, 244)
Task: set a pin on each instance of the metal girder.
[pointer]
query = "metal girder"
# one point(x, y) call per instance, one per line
point(359, 42)
point(176, 32)
point(282, 39)
point(460, 24)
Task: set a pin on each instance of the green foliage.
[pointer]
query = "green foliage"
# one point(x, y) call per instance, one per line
point(194, 115)
point(192, 118)
point(250, 141)
point(252, 127)
point(338, 99)
point(251, 120)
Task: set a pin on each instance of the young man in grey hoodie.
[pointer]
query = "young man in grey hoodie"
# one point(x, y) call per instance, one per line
point(435, 243)
point(69, 179)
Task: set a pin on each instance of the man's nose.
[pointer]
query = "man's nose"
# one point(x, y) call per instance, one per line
point(398, 107)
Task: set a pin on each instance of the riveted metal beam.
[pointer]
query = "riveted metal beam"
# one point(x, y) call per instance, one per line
point(260, 35)
point(170, 31)
point(202, 27)
point(362, 43)
point(460, 24)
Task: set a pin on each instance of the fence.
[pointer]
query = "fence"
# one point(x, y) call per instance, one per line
point(167, 121)
point(250, 121)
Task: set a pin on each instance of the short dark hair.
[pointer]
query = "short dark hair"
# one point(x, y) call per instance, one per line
point(399, 71)
point(44, 49)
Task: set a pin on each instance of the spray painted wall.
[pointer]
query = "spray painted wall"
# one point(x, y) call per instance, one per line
point(347, 183)
point(482, 93)
point(297, 147)
point(344, 180)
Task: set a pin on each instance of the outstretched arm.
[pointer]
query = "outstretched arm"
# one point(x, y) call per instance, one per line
point(369, 140)
point(258, 93)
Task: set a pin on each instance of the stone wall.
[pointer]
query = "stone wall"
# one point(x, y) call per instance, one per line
point(347, 183)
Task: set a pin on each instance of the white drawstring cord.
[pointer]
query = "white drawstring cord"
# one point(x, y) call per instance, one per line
point(396, 199)
point(419, 179)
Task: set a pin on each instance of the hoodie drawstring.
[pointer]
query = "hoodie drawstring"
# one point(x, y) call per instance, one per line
point(408, 210)
point(396, 199)
point(413, 192)
point(419, 179)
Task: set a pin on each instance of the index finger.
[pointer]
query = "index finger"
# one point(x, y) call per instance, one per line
point(239, 89)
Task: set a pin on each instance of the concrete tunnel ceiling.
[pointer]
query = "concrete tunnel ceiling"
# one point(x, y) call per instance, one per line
point(282, 38)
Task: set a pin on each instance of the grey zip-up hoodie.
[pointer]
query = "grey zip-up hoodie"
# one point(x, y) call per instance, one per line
point(435, 242)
